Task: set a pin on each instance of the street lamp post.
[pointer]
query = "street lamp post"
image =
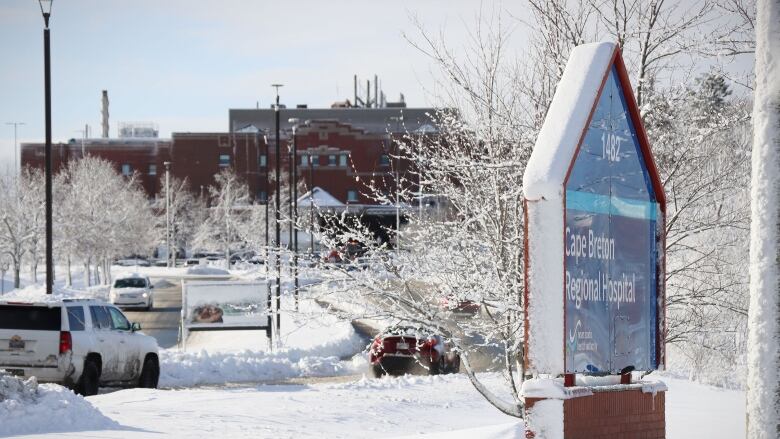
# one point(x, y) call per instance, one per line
point(277, 193)
point(46, 12)
point(17, 164)
point(294, 205)
point(168, 211)
point(398, 120)
point(311, 202)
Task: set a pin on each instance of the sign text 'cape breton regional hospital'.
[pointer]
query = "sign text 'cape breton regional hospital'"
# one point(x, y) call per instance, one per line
point(592, 186)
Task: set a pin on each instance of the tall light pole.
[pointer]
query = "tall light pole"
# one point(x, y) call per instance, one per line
point(398, 120)
point(277, 193)
point(294, 205)
point(311, 202)
point(168, 211)
point(46, 12)
point(17, 164)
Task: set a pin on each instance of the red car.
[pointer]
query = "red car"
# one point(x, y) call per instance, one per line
point(457, 306)
point(399, 350)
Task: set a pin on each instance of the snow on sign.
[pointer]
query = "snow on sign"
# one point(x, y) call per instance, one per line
point(594, 303)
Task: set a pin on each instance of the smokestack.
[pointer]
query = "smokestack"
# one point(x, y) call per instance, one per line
point(376, 92)
point(368, 94)
point(355, 101)
point(104, 113)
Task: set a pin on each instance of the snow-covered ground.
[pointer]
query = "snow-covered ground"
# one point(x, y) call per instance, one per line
point(314, 344)
point(231, 384)
point(439, 406)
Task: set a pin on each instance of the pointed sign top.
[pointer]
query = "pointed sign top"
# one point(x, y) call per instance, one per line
point(566, 119)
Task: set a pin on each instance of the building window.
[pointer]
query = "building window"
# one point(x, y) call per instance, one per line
point(315, 160)
point(343, 160)
point(323, 135)
point(224, 160)
point(262, 196)
point(152, 169)
point(352, 196)
point(262, 160)
point(332, 160)
point(304, 160)
point(126, 170)
point(384, 160)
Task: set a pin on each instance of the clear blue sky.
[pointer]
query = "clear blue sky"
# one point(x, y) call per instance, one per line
point(183, 64)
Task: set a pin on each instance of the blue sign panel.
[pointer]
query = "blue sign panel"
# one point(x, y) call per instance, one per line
point(611, 246)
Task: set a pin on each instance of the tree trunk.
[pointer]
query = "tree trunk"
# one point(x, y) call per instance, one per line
point(97, 272)
point(87, 274)
point(763, 392)
point(34, 268)
point(69, 278)
point(17, 268)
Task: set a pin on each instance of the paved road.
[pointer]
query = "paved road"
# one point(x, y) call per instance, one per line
point(162, 322)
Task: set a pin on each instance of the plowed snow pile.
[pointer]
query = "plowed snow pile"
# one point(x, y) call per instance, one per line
point(27, 407)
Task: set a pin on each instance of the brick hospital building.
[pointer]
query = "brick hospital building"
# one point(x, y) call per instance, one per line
point(340, 149)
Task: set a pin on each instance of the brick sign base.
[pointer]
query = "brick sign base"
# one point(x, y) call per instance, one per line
point(611, 413)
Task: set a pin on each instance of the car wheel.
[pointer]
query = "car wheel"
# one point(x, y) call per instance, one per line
point(150, 305)
point(455, 365)
point(437, 367)
point(377, 371)
point(150, 373)
point(88, 382)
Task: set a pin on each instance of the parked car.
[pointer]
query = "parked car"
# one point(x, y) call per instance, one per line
point(132, 262)
point(133, 291)
point(82, 344)
point(403, 349)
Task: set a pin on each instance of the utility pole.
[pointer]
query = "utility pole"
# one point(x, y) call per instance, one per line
point(763, 347)
point(46, 11)
point(278, 212)
point(311, 202)
point(17, 163)
point(168, 212)
point(398, 120)
point(294, 206)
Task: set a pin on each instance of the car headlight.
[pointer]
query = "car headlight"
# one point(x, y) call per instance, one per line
point(145, 295)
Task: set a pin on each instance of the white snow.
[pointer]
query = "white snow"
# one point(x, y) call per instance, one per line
point(545, 419)
point(566, 119)
point(763, 382)
point(545, 298)
point(206, 270)
point(321, 198)
point(27, 407)
point(37, 293)
point(187, 369)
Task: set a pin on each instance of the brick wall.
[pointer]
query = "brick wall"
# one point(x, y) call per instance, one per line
point(623, 414)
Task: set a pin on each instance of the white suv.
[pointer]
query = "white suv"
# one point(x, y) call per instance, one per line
point(81, 344)
point(132, 291)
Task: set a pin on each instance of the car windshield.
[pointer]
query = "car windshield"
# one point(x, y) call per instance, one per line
point(132, 282)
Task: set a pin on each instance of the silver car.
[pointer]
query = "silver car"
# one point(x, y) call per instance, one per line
point(132, 292)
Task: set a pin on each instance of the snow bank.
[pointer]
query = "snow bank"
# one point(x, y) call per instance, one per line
point(37, 293)
point(28, 408)
point(186, 369)
point(315, 344)
point(205, 270)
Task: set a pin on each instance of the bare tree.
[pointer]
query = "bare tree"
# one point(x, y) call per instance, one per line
point(229, 208)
